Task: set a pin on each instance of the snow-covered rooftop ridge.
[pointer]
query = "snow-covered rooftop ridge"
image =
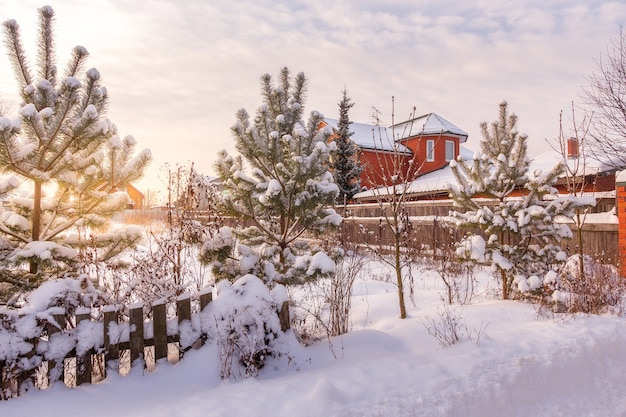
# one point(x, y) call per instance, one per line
point(372, 136)
point(428, 124)
point(369, 136)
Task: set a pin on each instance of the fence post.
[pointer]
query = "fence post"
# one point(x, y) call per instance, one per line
point(206, 296)
point(620, 209)
point(53, 366)
point(183, 308)
point(83, 363)
point(136, 333)
point(183, 311)
point(2, 365)
point(2, 382)
point(160, 330)
point(23, 376)
point(283, 316)
point(111, 349)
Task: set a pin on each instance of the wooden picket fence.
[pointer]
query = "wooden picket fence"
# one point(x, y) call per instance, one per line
point(151, 340)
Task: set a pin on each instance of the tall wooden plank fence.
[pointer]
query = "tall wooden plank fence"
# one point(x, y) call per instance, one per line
point(600, 241)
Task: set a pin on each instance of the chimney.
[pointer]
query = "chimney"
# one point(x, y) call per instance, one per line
point(572, 148)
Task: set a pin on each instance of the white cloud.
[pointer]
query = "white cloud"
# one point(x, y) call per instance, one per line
point(178, 71)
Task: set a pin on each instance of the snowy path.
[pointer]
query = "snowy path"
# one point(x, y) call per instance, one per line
point(393, 368)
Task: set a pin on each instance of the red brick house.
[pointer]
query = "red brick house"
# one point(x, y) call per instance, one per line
point(413, 148)
point(599, 178)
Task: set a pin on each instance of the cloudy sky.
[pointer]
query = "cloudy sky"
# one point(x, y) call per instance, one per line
point(178, 70)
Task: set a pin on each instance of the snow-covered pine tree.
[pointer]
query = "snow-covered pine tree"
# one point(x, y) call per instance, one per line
point(518, 234)
point(287, 194)
point(72, 164)
point(345, 163)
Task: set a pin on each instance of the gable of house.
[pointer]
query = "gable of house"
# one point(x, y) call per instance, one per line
point(137, 198)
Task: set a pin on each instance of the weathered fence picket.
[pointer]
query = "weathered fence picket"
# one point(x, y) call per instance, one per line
point(111, 347)
point(83, 363)
point(159, 321)
point(55, 370)
point(136, 333)
point(206, 297)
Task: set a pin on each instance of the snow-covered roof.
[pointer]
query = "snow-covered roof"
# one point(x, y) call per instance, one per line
point(428, 124)
point(371, 136)
point(436, 181)
point(585, 165)
point(367, 136)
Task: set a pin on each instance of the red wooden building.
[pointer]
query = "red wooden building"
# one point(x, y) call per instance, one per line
point(404, 151)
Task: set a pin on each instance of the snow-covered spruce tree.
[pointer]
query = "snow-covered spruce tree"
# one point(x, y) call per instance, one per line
point(345, 163)
point(286, 196)
point(518, 234)
point(72, 164)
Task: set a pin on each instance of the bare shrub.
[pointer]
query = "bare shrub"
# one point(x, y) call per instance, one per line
point(449, 327)
point(340, 292)
point(325, 305)
point(388, 176)
point(440, 256)
point(599, 290)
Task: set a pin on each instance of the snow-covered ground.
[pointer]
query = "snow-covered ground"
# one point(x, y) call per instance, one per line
point(522, 365)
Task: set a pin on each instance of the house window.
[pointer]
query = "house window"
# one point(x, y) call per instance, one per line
point(430, 150)
point(449, 150)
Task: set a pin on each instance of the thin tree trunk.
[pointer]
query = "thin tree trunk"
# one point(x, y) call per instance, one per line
point(505, 286)
point(36, 222)
point(579, 233)
point(399, 277)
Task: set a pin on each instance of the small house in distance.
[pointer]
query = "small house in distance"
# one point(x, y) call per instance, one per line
point(137, 198)
point(414, 147)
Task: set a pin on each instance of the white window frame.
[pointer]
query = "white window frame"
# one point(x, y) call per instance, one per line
point(450, 150)
point(430, 150)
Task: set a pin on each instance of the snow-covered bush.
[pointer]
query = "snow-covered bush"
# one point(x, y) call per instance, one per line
point(246, 326)
point(243, 322)
point(165, 264)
